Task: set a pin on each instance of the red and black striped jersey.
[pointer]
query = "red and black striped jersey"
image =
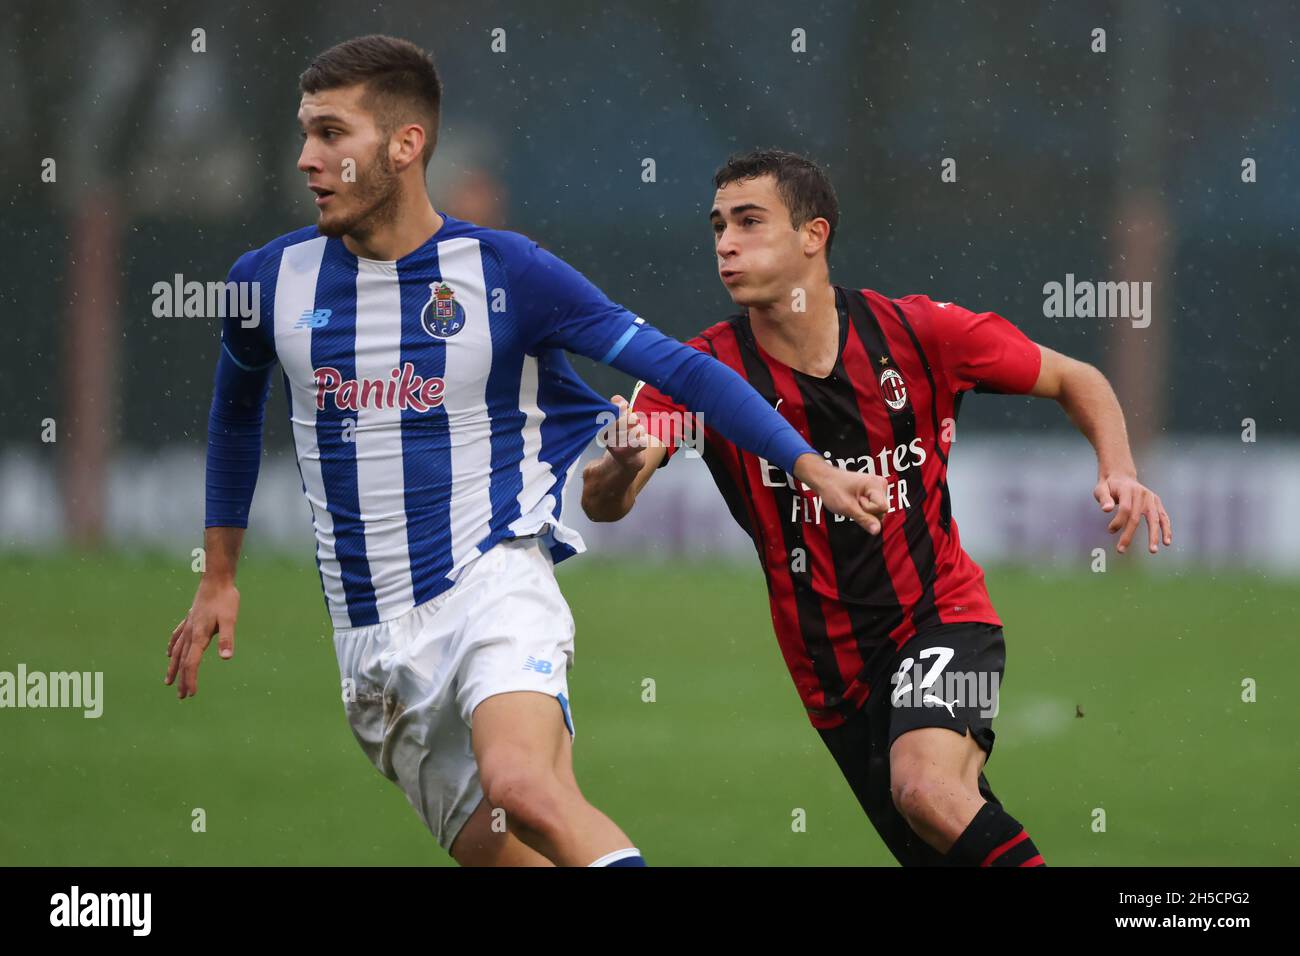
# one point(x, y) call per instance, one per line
point(842, 600)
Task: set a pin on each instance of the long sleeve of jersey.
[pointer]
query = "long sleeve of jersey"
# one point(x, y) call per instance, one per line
point(239, 394)
point(568, 311)
point(724, 400)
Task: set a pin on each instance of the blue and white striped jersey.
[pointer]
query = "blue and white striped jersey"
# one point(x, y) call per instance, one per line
point(433, 410)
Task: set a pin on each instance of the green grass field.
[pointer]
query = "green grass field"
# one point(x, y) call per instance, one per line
point(709, 773)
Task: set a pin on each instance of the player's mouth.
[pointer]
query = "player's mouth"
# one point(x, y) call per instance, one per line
point(730, 275)
point(323, 195)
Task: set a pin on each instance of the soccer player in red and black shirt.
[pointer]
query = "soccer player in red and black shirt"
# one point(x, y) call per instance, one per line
point(891, 639)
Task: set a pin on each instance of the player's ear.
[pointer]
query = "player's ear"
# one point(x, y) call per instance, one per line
point(815, 233)
point(407, 145)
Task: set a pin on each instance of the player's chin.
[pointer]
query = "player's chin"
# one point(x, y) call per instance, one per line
point(739, 294)
point(333, 225)
point(747, 298)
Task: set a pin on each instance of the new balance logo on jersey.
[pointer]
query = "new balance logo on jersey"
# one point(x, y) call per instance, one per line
point(533, 664)
point(401, 389)
point(313, 318)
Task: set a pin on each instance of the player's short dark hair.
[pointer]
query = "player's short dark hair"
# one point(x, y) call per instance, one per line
point(801, 183)
point(401, 81)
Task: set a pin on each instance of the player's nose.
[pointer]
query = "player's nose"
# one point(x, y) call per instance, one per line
point(726, 244)
point(307, 163)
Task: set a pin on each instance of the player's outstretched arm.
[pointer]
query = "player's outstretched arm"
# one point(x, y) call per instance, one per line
point(234, 454)
point(215, 608)
point(1089, 401)
point(611, 482)
point(706, 386)
point(571, 313)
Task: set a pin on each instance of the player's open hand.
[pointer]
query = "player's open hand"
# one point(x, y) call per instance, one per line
point(215, 608)
point(1131, 501)
point(853, 494)
point(626, 439)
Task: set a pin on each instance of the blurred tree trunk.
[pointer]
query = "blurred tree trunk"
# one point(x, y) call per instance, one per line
point(90, 366)
point(93, 138)
point(1139, 357)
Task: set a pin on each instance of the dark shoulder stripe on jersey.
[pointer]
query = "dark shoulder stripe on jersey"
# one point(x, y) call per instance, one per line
point(867, 593)
point(781, 587)
point(426, 450)
point(920, 542)
point(929, 376)
point(776, 504)
point(822, 562)
point(728, 470)
point(901, 572)
point(945, 499)
point(336, 290)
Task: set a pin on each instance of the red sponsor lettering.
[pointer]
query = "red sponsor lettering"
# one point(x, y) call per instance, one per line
point(402, 388)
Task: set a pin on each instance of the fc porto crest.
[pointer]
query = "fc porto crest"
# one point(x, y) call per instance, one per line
point(442, 316)
point(893, 389)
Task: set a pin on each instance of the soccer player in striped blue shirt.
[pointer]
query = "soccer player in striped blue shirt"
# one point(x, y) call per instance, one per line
point(437, 423)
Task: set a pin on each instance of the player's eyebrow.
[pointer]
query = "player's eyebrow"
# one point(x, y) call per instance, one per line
point(737, 210)
point(321, 118)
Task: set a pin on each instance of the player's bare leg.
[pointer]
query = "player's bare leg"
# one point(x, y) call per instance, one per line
point(525, 765)
point(934, 775)
point(479, 843)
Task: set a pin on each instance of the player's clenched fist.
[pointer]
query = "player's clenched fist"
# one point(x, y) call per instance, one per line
point(626, 438)
point(853, 494)
point(215, 608)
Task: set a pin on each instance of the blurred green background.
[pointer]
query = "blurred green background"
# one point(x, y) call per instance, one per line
point(709, 773)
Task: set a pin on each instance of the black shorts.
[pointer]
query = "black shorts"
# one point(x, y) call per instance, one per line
point(947, 676)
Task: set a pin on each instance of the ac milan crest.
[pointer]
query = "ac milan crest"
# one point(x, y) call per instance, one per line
point(893, 389)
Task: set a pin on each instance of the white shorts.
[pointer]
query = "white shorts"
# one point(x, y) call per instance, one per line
point(415, 680)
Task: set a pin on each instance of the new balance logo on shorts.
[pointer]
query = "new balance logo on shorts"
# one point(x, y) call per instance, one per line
point(533, 664)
